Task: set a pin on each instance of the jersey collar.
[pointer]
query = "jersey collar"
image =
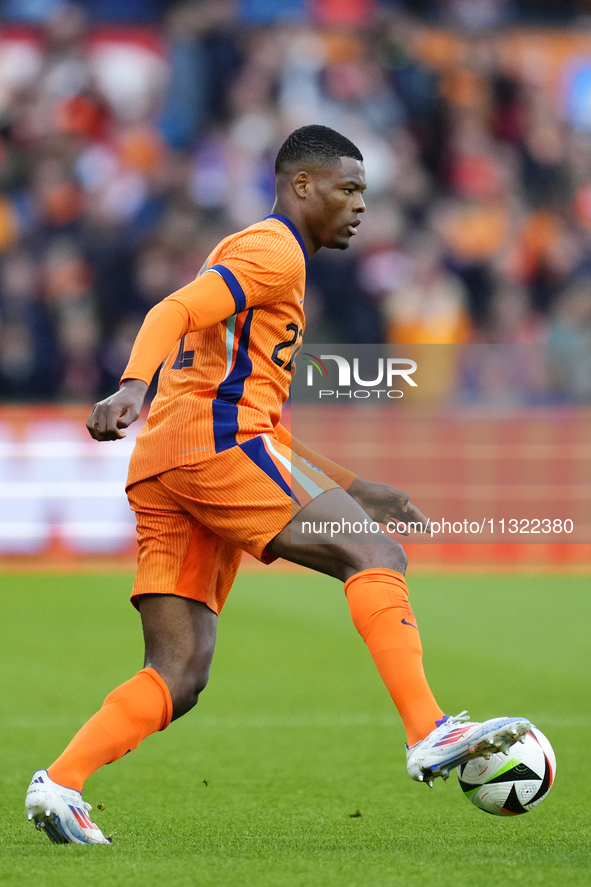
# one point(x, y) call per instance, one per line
point(289, 224)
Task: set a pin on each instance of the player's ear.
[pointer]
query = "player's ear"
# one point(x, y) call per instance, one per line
point(301, 183)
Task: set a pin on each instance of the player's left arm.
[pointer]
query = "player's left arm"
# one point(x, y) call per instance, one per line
point(382, 502)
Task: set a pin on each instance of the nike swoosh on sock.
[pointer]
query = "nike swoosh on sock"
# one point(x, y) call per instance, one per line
point(404, 622)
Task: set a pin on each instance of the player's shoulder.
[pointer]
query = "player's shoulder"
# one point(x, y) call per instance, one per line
point(272, 235)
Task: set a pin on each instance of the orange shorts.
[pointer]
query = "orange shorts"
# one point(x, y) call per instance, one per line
point(194, 522)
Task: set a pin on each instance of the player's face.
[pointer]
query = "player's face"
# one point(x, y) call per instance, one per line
point(337, 203)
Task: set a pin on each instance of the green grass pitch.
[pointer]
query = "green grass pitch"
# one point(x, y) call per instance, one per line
point(295, 733)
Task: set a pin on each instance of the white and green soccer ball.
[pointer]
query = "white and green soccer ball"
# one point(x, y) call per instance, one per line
point(507, 785)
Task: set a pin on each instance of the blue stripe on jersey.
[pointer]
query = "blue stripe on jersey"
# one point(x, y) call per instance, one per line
point(225, 405)
point(232, 285)
point(256, 452)
point(289, 224)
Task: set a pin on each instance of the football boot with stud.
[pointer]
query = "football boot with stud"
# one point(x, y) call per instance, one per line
point(456, 740)
point(60, 812)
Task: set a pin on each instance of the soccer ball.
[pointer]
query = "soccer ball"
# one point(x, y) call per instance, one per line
point(507, 785)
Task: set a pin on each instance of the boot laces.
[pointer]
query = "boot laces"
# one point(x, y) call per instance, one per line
point(463, 716)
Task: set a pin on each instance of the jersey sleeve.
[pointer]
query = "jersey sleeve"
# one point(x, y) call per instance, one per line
point(260, 268)
point(342, 476)
point(198, 305)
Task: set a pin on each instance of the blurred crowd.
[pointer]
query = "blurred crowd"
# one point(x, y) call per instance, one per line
point(128, 150)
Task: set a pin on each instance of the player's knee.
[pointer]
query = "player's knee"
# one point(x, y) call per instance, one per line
point(391, 556)
point(188, 686)
point(398, 558)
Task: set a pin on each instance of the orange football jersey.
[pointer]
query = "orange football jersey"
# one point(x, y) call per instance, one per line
point(225, 384)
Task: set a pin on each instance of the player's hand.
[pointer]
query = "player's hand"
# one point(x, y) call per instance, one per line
point(118, 411)
point(384, 503)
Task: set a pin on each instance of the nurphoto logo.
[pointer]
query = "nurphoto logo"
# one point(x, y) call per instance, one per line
point(388, 371)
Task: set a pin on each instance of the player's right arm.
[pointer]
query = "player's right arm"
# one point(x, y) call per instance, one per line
point(201, 304)
point(382, 502)
point(343, 477)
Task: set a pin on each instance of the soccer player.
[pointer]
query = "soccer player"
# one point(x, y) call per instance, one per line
point(214, 473)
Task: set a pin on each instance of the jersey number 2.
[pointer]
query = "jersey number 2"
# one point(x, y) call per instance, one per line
point(297, 332)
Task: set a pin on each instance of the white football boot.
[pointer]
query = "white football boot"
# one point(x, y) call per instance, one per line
point(60, 812)
point(457, 740)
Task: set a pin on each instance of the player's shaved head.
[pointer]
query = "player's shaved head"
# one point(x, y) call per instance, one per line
point(314, 144)
point(320, 183)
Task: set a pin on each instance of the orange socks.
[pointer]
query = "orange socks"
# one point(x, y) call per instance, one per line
point(130, 713)
point(381, 613)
